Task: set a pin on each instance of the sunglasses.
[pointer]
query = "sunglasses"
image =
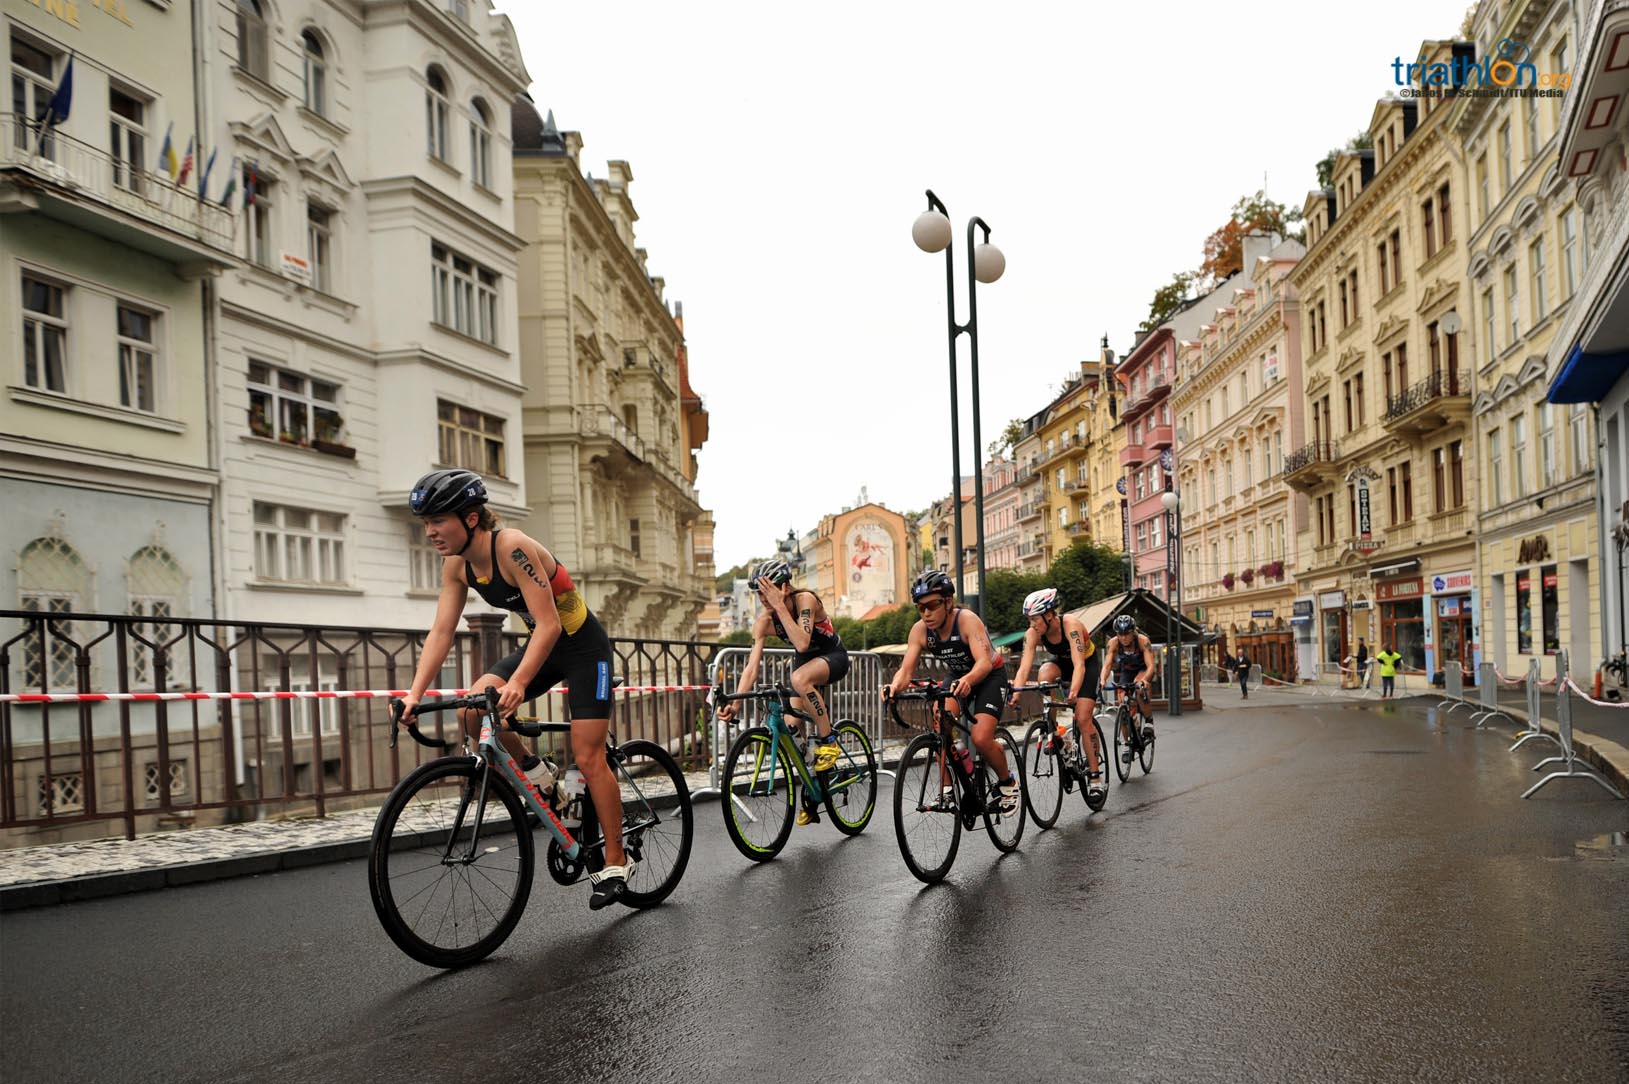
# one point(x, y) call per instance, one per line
point(929, 606)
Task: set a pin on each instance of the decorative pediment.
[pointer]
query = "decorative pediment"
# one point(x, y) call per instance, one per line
point(1526, 211)
point(1506, 387)
point(1500, 241)
point(328, 168)
point(1479, 265)
point(1553, 180)
point(1483, 403)
point(1349, 357)
point(1392, 325)
point(1317, 384)
point(264, 135)
point(1435, 294)
point(1263, 416)
point(1532, 369)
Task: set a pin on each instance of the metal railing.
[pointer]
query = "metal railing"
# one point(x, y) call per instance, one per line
point(1439, 384)
point(93, 174)
point(1318, 451)
point(79, 770)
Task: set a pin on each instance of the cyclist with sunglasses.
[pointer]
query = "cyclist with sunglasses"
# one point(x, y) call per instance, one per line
point(819, 657)
point(1073, 660)
point(958, 639)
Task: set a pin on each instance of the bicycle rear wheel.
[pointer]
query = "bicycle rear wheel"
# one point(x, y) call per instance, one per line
point(928, 826)
point(1005, 829)
point(1094, 733)
point(760, 789)
point(447, 896)
point(657, 826)
point(1043, 774)
point(851, 787)
point(1123, 723)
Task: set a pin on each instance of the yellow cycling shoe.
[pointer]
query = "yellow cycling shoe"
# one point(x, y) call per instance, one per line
point(806, 815)
point(826, 755)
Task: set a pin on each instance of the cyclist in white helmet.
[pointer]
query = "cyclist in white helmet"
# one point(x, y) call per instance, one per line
point(1074, 660)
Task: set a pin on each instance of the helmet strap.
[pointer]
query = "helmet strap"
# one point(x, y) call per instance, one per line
point(469, 533)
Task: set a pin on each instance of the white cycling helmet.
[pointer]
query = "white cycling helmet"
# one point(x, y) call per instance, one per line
point(1039, 602)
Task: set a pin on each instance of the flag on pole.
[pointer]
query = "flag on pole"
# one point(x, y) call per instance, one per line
point(231, 184)
point(203, 178)
point(56, 110)
point(166, 153)
point(249, 185)
point(186, 164)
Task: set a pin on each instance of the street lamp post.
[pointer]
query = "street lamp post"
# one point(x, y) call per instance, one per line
point(1173, 579)
point(932, 233)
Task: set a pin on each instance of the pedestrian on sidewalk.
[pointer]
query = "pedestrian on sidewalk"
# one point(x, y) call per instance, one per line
point(1362, 663)
point(1227, 666)
point(1388, 661)
point(1241, 666)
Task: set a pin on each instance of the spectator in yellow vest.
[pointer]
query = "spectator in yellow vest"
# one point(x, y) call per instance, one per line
point(1387, 659)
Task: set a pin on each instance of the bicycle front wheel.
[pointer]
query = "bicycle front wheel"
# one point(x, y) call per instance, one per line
point(1043, 774)
point(1123, 722)
point(1145, 755)
point(445, 893)
point(657, 828)
point(1094, 734)
point(927, 822)
point(760, 790)
point(1005, 829)
point(851, 787)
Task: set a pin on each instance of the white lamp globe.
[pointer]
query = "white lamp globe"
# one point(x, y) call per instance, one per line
point(1170, 500)
point(988, 263)
point(931, 231)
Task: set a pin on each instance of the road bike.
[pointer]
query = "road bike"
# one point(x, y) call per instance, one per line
point(766, 769)
point(942, 787)
point(452, 857)
point(1132, 739)
point(1055, 762)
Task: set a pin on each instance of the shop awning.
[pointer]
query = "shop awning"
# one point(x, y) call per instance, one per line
point(1586, 378)
point(1149, 609)
point(1397, 568)
point(1010, 638)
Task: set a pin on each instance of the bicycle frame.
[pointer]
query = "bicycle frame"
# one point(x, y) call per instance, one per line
point(944, 730)
point(782, 745)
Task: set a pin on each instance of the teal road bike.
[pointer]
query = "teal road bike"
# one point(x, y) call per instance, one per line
point(451, 861)
point(766, 774)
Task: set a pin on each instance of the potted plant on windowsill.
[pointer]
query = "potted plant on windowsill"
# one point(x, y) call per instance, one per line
point(288, 438)
point(260, 427)
point(1248, 576)
point(333, 447)
point(1273, 569)
point(1227, 581)
point(330, 427)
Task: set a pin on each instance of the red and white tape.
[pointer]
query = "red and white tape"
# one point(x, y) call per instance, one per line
point(1573, 685)
point(279, 694)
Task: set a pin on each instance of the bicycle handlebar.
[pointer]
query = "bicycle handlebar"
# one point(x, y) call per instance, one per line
point(763, 692)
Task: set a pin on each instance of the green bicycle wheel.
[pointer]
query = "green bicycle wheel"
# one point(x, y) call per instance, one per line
point(851, 787)
point(760, 791)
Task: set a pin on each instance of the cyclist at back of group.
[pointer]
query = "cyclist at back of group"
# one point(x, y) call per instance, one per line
point(1073, 660)
point(514, 572)
point(1131, 666)
point(819, 657)
point(958, 639)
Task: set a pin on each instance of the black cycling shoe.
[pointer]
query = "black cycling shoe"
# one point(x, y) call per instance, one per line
point(609, 885)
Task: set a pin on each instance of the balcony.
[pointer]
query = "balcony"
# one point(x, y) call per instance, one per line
point(1025, 473)
point(1312, 464)
point(598, 425)
point(1080, 529)
point(1159, 436)
point(1132, 455)
point(1442, 398)
point(89, 189)
point(1072, 485)
point(1031, 510)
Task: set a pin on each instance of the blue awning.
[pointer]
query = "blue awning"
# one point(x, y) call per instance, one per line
point(1586, 378)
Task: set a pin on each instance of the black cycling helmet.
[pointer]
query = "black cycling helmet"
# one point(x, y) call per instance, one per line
point(443, 491)
point(775, 570)
point(1124, 623)
point(931, 582)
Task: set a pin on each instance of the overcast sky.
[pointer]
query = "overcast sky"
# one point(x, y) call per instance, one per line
point(780, 154)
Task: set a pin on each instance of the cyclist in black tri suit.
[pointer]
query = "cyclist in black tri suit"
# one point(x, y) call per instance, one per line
point(958, 639)
point(818, 658)
point(1131, 666)
point(514, 572)
point(1073, 660)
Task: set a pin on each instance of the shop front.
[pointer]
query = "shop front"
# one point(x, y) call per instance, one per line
point(1402, 619)
point(1334, 626)
point(1453, 638)
point(1269, 642)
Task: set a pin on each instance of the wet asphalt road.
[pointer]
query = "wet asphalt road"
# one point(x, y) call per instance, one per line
point(1295, 894)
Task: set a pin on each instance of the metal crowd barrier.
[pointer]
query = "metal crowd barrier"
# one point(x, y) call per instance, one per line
point(1534, 731)
point(1573, 768)
point(1488, 696)
point(1453, 687)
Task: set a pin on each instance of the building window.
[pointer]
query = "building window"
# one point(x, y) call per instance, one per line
point(633, 537)
point(299, 545)
point(1535, 265)
point(1518, 455)
point(1428, 215)
point(1385, 269)
point(1524, 612)
point(1512, 304)
point(61, 793)
point(436, 111)
point(1346, 387)
point(157, 589)
point(1504, 158)
point(33, 82)
point(319, 241)
point(1569, 252)
point(252, 51)
point(257, 204)
point(480, 143)
point(50, 575)
point(173, 783)
point(1578, 424)
point(45, 335)
point(469, 439)
point(1439, 479)
point(1547, 445)
point(1496, 468)
point(316, 73)
point(1551, 608)
point(1456, 471)
point(1530, 121)
point(1482, 188)
point(287, 406)
point(465, 294)
point(1490, 343)
point(1396, 242)
point(137, 358)
point(127, 117)
point(459, 9)
point(1445, 215)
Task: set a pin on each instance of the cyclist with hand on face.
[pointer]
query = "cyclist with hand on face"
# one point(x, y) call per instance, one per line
point(567, 643)
point(1072, 660)
point(957, 638)
point(819, 657)
point(1131, 666)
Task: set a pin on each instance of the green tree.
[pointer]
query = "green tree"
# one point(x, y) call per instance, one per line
point(1326, 165)
point(1224, 249)
point(1168, 300)
point(1010, 436)
point(738, 638)
point(727, 578)
point(1004, 591)
point(1086, 573)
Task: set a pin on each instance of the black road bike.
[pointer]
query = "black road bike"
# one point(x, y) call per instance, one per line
point(1133, 738)
point(1055, 762)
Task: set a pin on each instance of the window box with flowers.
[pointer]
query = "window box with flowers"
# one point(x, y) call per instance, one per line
point(1272, 570)
point(1248, 576)
point(1227, 581)
point(293, 409)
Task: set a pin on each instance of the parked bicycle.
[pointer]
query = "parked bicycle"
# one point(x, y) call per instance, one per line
point(1055, 761)
point(451, 862)
point(766, 771)
point(942, 787)
point(1133, 737)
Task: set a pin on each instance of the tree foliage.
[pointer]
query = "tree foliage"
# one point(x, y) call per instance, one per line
point(1010, 436)
point(1224, 249)
point(727, 578)
point(1168, 300)
point(1326, 165)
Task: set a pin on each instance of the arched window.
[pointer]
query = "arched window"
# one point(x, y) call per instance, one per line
point(480, 143)
point(436, 112)
point(158, 590)
point(50, 577)
point(252, 52)
point(316, 73)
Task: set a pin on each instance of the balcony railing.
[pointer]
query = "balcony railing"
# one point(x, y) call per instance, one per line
point(85, 174)
point(1438, 385)
point(1319, 452)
